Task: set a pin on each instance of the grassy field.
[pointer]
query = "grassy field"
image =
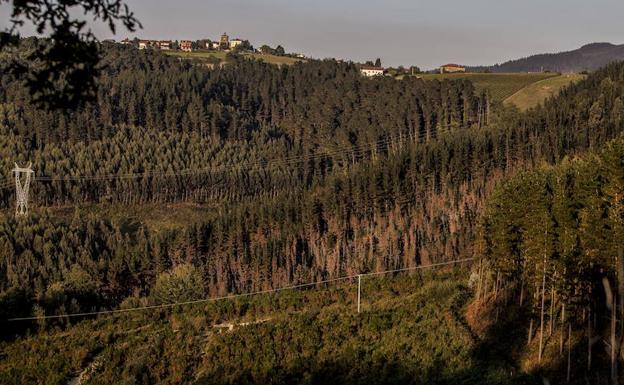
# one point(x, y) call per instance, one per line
point(536, 93)
point(272, 59)
point(198, 54)
point(157, 217)
point(501, 86)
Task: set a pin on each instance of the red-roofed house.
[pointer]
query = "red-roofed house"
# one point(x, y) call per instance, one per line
point(452, 68)
point(186, 45)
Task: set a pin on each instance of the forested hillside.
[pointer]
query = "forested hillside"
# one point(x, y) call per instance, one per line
point(160, 115)
point(311, 170)
point(589, 57)
point(292, 175)
point(553, 238)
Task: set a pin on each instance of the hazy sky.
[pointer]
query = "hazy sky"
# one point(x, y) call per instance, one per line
point(424, 33)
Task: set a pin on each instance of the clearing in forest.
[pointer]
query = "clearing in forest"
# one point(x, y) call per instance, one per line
point(206, 55)
point(536, 93)
point(500, 85)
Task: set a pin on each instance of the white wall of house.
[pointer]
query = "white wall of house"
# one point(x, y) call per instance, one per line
point(235, 43)
point(371, 72)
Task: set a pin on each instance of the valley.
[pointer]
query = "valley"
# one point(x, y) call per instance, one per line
point(184, 184)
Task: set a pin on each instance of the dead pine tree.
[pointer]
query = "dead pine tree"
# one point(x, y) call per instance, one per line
point(611, 305)
point(479, 282)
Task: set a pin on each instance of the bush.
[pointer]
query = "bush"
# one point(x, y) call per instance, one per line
point(183, 283)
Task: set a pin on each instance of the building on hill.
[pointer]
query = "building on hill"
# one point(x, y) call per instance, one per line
point(225, 41)
point(370, 71)
point(186, 45)
point(144, 44)
point(164, 45)
point(452, 68)
point(235, 43)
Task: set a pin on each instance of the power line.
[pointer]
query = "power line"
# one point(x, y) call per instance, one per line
point(387, 193)
point(234, 296)
point(385, 143)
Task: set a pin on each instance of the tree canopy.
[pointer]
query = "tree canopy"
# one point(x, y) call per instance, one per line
point(60, 71)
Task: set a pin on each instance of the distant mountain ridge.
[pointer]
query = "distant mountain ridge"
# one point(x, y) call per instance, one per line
point(587, 58)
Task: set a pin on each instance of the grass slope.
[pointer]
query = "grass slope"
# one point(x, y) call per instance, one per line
point(501, 86)
point(536, 93)
point(197, 54)
point(411, 331)
point(202, 55)
point(156, 216)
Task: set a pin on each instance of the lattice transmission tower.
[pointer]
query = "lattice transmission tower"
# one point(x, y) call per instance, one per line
point(23, 176)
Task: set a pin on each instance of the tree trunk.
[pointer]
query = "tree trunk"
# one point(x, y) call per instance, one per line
point(620, 284)
point(562, 330)
point(480, 284)
point(552, 310)
point(522, 283)
point(614, 370)
point(569, 352)
point(589, 341)
point(541, 342)
point(496, 286)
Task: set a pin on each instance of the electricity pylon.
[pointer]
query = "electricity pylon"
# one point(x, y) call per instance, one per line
point(21, 188)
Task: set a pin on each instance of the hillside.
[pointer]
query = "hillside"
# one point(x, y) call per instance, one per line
point(589, 57)
point(273, 175)
point(212, 56)
point(412, 330)
point(536, 93)
point(185, 182)
point(499, 86)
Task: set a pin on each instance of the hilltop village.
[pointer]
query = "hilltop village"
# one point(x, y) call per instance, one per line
point(223, 44)
point(226, 44)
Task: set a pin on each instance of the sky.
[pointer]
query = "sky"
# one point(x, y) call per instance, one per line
point(400, 32)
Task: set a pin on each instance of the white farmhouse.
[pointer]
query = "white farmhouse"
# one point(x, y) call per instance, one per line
point(371, 71)
point(235, 43)
point(164, 45)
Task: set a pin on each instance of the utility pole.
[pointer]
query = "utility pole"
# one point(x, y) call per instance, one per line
point(21, 188)
point(359, 290)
